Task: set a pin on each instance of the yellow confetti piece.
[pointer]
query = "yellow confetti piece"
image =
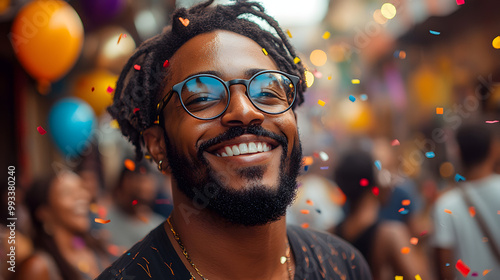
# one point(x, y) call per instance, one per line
point(101, 221)
point(94, 208)
point(264, 51)
point(496, 42)
point(355, 81)
point(326, 35)
point(329, 77)
point(397, 277)
point(147, 156)
point(439, 110)
point(83, 267)
point(289, 33)
point(296, 60)
point(405, 250)
point(307, 160)
point(184, 21)
point(447, 211)
point(486, 271)
point(114, 124)
point(321, 102)
point(417, 277)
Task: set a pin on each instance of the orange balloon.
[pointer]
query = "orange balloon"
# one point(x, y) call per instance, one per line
point(47, 36)
point(96, 88)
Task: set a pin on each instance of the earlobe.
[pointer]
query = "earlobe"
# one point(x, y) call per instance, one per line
point(155, 143)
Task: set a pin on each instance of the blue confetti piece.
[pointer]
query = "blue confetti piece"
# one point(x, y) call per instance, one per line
point(352, 98)
point(319, 211)
point(378, 164)
point(434, 32)
point(459, 178)
point(430, 154)
point(323, 167)
point(404, 212)
point(396, 54)
point(447, 264)
point(128, 254)
point(363, 97)
point(306, 167)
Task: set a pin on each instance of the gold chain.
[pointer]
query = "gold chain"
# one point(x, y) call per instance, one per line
point(185, 253)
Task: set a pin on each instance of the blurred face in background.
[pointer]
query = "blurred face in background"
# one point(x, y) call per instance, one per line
point(136, 190)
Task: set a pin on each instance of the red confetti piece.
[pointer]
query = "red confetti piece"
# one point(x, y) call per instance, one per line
point(414, 241)
point(109, 89)
point(309, 202)
point(375, 191)
point(498, 212)
point(305, 225)
point(134, 202)
point(316, 155)
point(460, 2)
point(137, 67)
point(401, 209)
point(102, 212)
point(93, 89)
point(184, 21)
point(405, 250)
point(447, 211)
point(166, 63)
point(395, 142)
point(41, 130)
point(101, 221)
point(405, 202)
point(129, 164)
point(114, 250)
point(462, 268)
point(304, 211)
point(135, 110)
point(472, 211)
point(423, 233)
point(363, 182)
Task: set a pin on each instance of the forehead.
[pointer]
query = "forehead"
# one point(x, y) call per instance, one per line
point(225, 52)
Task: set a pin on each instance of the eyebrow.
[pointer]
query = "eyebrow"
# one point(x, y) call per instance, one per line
point(248, 73)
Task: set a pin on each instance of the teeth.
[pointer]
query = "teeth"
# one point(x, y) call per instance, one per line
point(265, 147)
point(236, 151)
point(259, 147)
point(243, 149)
point(229, 152)
point(218, 155)
point(224, 154)
point(252, 148)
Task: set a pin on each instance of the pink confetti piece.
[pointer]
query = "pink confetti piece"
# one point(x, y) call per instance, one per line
point(41, 130)
point(460, 2)
point(166, 64)
point(495, 121)
point(109, 89)
point(137, 67)
point(395, 142)
point(462, 268)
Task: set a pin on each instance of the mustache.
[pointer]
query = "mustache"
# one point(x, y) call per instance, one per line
point(237, 131)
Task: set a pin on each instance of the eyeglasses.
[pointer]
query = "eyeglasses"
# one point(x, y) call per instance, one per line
point(206, 96)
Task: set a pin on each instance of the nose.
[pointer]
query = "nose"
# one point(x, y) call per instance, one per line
point(241, 111)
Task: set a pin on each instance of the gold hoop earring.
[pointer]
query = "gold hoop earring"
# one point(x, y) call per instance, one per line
point(160, 167)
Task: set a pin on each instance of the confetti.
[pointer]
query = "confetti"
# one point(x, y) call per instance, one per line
point(434, 32)
point(114, 124)
point(352, 98)
point(486, 271)
point(460, 2)
point(283, 259)
point(305, 225)
point(375, 191)
point(447, 211)
point(404, 212)
point(405, 250)
point(109, 89)
point(417, 277)
point(363, 182)
point(496, 42)
point(439, 110)
point(136, 109)
point(472, 211)
point(355, 81)
point(93, 89)
point(321, 102)
point(401, 210)
point(166, 63)
point(307, 160)
point(289, 33)
point(129, 164)
point(304, 211)
point(137, 67)
point(405, 202)
point(363, 97)
point(498, 212)
point(326, 35)
point(474, 274)
point(329, 77)
point(265, 51)
point(459, 178)
point(395, 142)
point(119, 38)
point(309, 202)
point(184, 21)
point(318, 211)
point(306, 167)
point(41, 130)
point(402, 55)
point(296, 60)
point(397, 277)
point(495, 121)
point(134, 202)
point(323, 167)
point(462, 268)
point(101, 221)
point(323, 156)
point(414, 241)
point(378, 164)
point(430, 155)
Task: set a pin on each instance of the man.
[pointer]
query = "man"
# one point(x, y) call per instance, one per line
point(457, 233)
point(227, 132)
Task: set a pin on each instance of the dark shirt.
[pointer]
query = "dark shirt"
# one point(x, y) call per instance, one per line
point(318, 255)
point(364, 242)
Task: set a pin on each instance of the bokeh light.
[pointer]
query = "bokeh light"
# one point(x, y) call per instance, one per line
point(318, 57)
point(388, 10)
point(446, 169)
point(496, 42)
point(309, 78)
point(378, 17)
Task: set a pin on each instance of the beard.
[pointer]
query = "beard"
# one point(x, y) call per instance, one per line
point(253, 204)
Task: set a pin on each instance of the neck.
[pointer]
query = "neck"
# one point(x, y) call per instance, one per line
point(479, 171)
point(64, 240)
point(225, 251)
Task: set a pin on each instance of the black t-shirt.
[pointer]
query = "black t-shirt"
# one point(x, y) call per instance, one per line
point(318, 255)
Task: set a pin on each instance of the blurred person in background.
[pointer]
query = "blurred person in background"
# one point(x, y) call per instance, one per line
point(380, 241)
point(131, 214)
point(64, 249)
point(459, 212)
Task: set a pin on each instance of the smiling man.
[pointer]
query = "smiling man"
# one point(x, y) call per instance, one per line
point(212, 98)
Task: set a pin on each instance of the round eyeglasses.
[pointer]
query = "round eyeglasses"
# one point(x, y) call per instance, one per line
point(206, 97)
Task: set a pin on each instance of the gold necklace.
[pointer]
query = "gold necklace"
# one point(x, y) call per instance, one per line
point(185, 253)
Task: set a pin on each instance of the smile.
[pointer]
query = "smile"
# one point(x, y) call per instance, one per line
point(243, 149)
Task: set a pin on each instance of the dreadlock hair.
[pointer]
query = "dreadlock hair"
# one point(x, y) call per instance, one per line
point(137, 92)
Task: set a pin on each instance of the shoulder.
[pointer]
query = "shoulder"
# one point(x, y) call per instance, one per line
point(40, 265)
point(448, 199)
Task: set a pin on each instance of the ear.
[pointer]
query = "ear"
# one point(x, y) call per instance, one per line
point(155, 143)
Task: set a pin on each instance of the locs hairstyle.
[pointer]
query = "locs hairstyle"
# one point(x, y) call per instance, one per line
point(138, 91)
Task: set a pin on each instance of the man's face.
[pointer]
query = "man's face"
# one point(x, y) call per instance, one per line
point(249, 189)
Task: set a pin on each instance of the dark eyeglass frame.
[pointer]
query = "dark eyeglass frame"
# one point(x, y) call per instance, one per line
point(178, 88)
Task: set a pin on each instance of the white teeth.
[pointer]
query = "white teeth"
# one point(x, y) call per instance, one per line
point(224, 154)
point(259, 147)
point(243, 149)
point(218, 155)
point(252, 148)
point(236, 151)
point(229, 152)
point(265, 147)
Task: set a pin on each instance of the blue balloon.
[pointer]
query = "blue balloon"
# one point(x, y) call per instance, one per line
point(71, 124)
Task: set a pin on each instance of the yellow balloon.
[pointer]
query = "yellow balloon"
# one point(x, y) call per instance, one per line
point(47, 36)
point(97, 89)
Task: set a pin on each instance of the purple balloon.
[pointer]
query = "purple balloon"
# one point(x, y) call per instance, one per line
point(102, 10)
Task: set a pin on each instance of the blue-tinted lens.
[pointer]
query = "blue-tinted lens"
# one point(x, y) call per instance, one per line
point(271, 92)
point(204, 97)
